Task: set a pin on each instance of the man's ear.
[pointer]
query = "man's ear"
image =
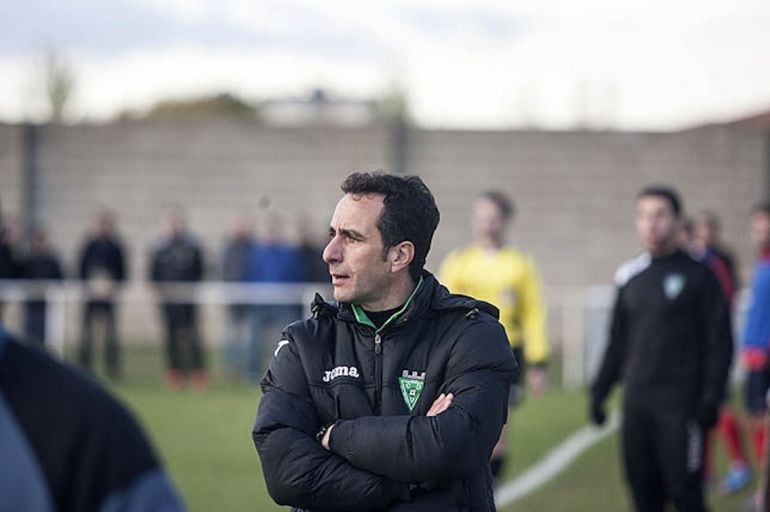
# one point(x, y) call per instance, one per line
point(401, 256)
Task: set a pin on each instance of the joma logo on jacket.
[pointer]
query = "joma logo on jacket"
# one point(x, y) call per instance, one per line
point(340, 371)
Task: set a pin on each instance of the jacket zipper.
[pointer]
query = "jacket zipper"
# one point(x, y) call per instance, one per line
point(378, 371)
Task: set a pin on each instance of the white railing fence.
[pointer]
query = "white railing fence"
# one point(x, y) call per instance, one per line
point(578, 317)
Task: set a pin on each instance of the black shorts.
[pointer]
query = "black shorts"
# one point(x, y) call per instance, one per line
point(757, 385)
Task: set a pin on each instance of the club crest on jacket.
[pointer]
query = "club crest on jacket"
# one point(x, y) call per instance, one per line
point(411, 387)
point(673, 285)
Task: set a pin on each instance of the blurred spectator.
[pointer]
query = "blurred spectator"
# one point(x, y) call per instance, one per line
point(495, 272)
point(67, 445)
point(103, 270)
point(9, 264)
point(707, 235)
point(311, 247)
point(705, 246)
point(756, 336)
point(41, 264)
point(177, 257)
point(241, 329)
point(274, 260)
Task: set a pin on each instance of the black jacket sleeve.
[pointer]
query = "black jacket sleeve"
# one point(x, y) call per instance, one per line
point(85, 260)
point(418, 449)
point(615, 354)
point(121, 271)
point(718, 343)
point(298, 471)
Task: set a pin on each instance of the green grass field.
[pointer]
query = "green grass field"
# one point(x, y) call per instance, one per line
point(204, 439)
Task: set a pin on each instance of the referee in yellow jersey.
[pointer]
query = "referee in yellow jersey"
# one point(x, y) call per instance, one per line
point(497, 273)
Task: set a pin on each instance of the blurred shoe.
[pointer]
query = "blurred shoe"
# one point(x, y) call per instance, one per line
point(737, 478)
point(174, 380)
point(754, 504)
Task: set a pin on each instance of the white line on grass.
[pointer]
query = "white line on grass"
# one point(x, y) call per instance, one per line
point(554, 462)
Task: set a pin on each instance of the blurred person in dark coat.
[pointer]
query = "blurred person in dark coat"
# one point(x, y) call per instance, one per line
point(41, 264)
point(102, 268)
point(177, 257)
point(9, 264)
point(706, 246)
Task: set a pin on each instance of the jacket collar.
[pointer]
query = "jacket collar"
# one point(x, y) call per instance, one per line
point(428, 296)
point(362, 318)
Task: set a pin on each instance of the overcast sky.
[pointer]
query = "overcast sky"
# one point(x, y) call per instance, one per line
point(653, 65)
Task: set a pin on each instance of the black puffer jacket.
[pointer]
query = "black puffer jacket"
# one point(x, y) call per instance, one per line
point(335, 369)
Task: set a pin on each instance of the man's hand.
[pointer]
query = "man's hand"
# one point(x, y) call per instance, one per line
point(537, 379)
point(598, 416)
point(325, 438)
point(441, 404)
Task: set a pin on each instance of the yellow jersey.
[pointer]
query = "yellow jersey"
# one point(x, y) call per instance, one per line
point(509, 280)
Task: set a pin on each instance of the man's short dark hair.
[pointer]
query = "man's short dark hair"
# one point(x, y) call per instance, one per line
point(504, 204)
point(410, 212)
point(664, 192)
point(762, 207)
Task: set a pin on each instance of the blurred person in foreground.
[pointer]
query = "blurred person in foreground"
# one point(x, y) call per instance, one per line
point(240, 332)
point(756, 335)
point(706, 246)
point(177, 257)
point(41, 263)
point(670, 341)
point(492, 271)
point(66, 445)
point(392, 397)
point(102, 268)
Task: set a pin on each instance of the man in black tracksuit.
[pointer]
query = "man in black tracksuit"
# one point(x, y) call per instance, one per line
point(671, 342)
point(103, 270)
point(41, 264)
point(392, 398)
point(178, 258)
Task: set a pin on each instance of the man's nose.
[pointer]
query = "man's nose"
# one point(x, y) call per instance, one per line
point(332, 252)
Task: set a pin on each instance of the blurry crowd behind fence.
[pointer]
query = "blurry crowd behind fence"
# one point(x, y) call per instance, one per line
point(578, 316)
point(574, 194)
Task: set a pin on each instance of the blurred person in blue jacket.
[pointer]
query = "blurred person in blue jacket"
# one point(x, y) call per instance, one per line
point(240, 332)
point(274, 260)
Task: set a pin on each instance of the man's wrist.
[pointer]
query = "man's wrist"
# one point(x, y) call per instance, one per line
point(326, 436)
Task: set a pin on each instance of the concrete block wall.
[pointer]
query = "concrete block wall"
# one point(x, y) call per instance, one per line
point(10, 169)
point(574, 191)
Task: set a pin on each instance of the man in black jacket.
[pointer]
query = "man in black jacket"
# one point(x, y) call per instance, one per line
point(41, 264)
point(392, 398)
point(671, 342)
point(103, 270)
point(178, 258)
